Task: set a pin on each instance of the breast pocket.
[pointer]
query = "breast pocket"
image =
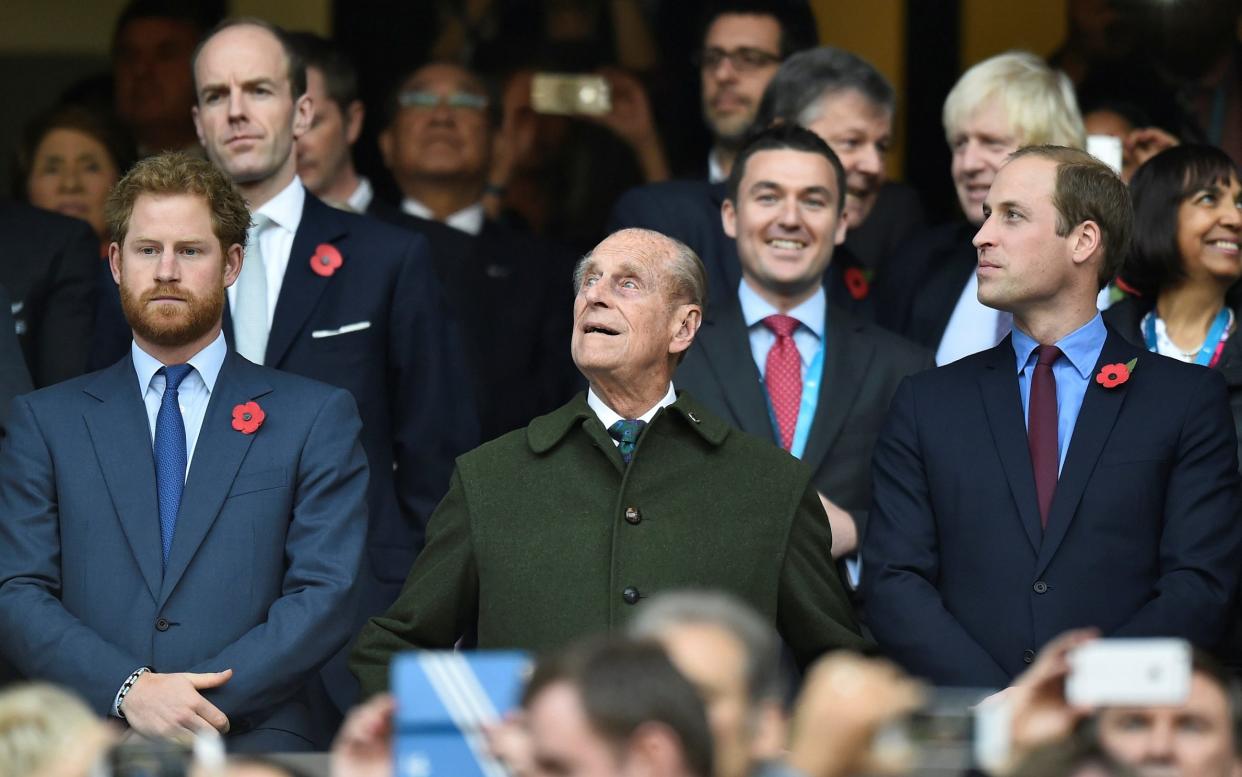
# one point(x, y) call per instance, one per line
point(263, 480)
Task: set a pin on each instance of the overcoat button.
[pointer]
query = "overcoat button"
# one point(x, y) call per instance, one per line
point(162, 624)
point(1040, 587)
point(1028, 656)
point(633, 516)
point(630, 595)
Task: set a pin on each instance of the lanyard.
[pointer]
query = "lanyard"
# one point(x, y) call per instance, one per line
point(810, 401)
point(1210, 351)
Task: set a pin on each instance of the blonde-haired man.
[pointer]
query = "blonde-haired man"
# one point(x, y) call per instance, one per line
point(999, 105)
point(181, 533)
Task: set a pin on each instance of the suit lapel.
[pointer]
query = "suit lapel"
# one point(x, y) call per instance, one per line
point(1002, 401)
point(121, 435)
point(1095, 422)
point(846, 361)
point(726, 346)
point(302, 287)
point(218, 455)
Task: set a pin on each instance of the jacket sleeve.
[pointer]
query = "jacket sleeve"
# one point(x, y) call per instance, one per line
point(900, 558)
point(68, 316)
point(438, 603)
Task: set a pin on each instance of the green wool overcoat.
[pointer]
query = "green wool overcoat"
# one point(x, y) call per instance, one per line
point(545, 536)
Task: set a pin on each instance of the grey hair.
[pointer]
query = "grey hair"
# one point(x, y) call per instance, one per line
point(796, 93)
point(724, 611)
point(685, 275)
point(1038, 101)
point(38, 724)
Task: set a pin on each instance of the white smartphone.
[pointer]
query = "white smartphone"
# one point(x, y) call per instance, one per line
point(1107, 149)
point(1129, 672)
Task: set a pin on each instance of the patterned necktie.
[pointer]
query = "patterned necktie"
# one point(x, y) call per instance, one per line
point(170, 453)
point(626, 432)
point(1041, 429)
point(783, 376)
point(250, 325)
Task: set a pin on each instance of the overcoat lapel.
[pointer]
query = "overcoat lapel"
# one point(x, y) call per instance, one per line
point(302, 287)
point(846, 361)
point(998, 385)
point(121, 435)
point(726, 346)
point(217, 456)
point(1096, 419)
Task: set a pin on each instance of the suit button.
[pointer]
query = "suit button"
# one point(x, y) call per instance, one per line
point(633, 516)
point(630, 595)
point(1040, 587)
point(1028, 656)
point(162, 624)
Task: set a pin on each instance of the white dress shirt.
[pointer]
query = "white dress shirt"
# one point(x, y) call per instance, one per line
point(469, 219)
point(607, 416)
point(971, 328)
point(276, 241)
point(360, 200)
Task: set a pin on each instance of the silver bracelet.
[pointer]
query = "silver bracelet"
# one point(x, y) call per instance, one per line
point(127, 686)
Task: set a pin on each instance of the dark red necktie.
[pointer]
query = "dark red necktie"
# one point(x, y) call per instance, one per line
point(782, 376)
point(1041, 429)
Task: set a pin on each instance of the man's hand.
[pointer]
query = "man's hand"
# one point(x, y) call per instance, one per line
point(509, 742)
point(1040, 713)
point(1143, 144)
point(844, 532)
point(631, 120)
point(169, 706)
point(363, 748)
point(846, 698)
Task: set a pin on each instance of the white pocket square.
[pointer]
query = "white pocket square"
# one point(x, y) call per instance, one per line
point(358, 327)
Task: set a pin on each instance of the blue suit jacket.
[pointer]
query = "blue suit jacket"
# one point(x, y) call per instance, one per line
point(263, 571)
point(962, 585)
point(406, 370)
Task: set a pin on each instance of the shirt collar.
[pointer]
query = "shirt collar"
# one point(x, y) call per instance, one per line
point(285, 209)
point(360, 200)
point(715, 173)
point(607, 416)
point(206, 363)
point(1082, 346)
point(810, 314)
point(469, 219)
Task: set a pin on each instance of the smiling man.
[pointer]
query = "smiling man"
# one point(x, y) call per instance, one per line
point(1062, 479)
point(564, 528)
point(779, 360)
point(181, 534)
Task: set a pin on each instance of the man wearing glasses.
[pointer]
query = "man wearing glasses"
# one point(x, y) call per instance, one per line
point(744, 43)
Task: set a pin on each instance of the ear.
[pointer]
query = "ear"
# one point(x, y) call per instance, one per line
point(114, 262)
point(198, 126)
point(728, 218)
point(385, 146)
point(688, 318)
point(653, 749)
point(233, 259)
point(843, 226)
point(1085, 241)
point(303, 115)
point(353, 121)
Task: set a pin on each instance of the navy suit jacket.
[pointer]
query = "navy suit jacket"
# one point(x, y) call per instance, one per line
point(918, 289)
point(262, 577)
point(961, 584)
point(862, 366)
point(405, 368)
point(690, 212)
point(14, 379)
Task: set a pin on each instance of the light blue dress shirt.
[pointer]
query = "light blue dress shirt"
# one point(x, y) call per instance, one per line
point(1073, 374)
point(194, 392)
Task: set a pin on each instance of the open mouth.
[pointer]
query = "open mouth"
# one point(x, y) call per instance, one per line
point(786, 244)
point(1230, 246)
point(599, 330)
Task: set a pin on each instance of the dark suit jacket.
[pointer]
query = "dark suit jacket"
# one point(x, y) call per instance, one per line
point(265, 558)
point(405, 370)
point(545, 529)
point(862, 366)
point(690, 212)
point(513, 295)
point(49, 270)
point(14, 379)
point(961, 584)
point(918, 288)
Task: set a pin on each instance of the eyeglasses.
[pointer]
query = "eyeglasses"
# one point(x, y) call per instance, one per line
point(426, 101)
point(743, 60)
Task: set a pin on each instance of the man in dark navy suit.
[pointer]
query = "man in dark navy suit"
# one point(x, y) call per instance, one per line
point(1061, 479)
point(337, 297)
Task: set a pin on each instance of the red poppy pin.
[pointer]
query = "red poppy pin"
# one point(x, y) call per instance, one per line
point(857, 283)
point(248, 417)
point(326, 260)
point(1113, 375)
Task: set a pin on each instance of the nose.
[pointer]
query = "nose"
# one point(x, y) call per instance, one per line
point(1230, 214)
point(71, 179)
point(593, 293)
point(984, 236)
point(972, 157)
point(869, 160)
point(167, 269)
point(789, 216)
point(237, 109)
point(724, 70)
point(1159, 743)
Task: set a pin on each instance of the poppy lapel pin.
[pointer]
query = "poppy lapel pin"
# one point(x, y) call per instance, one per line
point(857, 283)
point(326, 260)
point(248, 417)
point(1113, 375)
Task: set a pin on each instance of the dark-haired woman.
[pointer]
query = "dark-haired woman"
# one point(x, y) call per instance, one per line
point(1184, 263)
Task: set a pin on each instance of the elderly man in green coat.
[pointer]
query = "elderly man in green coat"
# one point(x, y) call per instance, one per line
point(564, 528)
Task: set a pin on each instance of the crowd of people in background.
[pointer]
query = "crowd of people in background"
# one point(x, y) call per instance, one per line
point(315, 351)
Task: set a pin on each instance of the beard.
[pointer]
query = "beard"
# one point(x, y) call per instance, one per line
point(168, 324)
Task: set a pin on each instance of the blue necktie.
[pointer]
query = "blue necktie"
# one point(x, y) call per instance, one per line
point(170, 453)
point(626, 432)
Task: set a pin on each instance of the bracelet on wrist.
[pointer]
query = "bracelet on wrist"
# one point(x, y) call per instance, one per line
point(127, 686)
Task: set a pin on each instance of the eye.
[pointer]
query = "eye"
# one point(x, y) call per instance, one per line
point(767, 198)
point(190, 251)
point(148, 250)
point(1206, 198)
point(847, 144)
point(629, 283)
point(1012, 215)
point(815, 202)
